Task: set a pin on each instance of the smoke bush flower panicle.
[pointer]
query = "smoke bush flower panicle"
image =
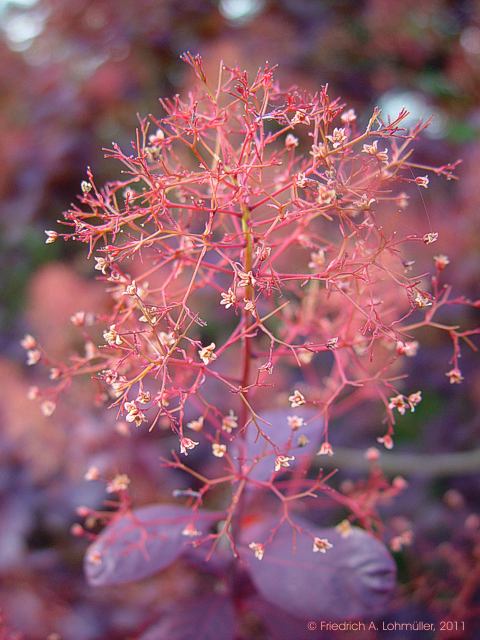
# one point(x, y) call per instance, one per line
point(247, 230)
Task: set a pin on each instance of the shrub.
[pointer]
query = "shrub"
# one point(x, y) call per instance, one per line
point(261, 284)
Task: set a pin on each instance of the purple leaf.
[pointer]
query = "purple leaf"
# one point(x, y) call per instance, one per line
point(279, 624)
point(281, 434)
point(210, 617)
point(141, 543)
point(219, 563)
point(356, 577)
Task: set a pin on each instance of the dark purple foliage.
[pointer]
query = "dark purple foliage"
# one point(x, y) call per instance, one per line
point(280, 433)
point(353, 579)
point(210, 617)
point(140, 543)
point(278, 624)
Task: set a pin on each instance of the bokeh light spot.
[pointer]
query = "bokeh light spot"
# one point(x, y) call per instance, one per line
point(241, 11)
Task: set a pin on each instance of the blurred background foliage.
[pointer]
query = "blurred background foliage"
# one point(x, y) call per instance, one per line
point(73, 76)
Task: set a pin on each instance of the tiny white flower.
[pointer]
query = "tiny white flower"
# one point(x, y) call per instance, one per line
point(296, 399)
point(422, 181)
point(455, 376)
point(291, 141)
point(338, 137)
point(33, 356)
point(306, 357)
point(246, 279)
point(102, 264)
point(156, 138)
point(387, 441)
point(196, 425)
point(326, 195)
point(441, 261)
point(319, 151)
point(219, 450)
point(301, 180)
point(229, 422)
point(422, 301)
point(430, 238)
point(414, 399)
point(134, 414)
point(372, 150)
point(78, 318)
point(348, 117)
point(131, 289)
point(207, 353)
point(365, 203)
point(258, 549)
point(48, 407)
point(112, 337)
point(33, 393)
point(409, 349)
point(144, 397)
point(249, 306)
point(92, 473)
point(28, 342)
point(191, 531)
point(332, 343)
point(167, 340)
point(300, 117)
point(186, 444)
point(283, 462)
point(119, 483)
point(295, 422)
point(317, 259)
point(55, 373)
point(399, 403)
point(95, 557)
point(90, 350)
point(402, 200)
point(325, 449)
point(52, 236)
point(228, 298)
point(321, 545)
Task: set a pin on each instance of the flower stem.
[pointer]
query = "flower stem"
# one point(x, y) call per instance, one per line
point(247, 356)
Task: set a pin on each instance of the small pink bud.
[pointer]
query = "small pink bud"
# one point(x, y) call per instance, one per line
point(325, 449)
point(372, 454)
point(422, 181)
point(387, 441)
point(77, 530)
point(93, 473)
point(400, 483)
